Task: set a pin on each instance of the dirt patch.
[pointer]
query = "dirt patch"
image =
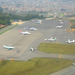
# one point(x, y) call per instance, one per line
point(72, 18)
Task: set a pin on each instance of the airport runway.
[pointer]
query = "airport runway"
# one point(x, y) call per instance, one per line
point(23, 43)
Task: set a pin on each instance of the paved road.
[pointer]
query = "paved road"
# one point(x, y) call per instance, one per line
point(23, 43)
point(67, 71)
point(2, 30)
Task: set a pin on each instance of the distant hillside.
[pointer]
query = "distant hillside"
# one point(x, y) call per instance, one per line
point(36, 0)
point(18, 6)
point(51, 0)
point(67, 0)
point(61, 0)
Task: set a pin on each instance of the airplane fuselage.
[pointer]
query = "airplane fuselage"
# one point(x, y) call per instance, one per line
point(51, 39)
point(25, 33)
point(70, 41)
point(8, 47)
point(58, 26)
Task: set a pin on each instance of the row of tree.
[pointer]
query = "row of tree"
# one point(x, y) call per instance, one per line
point(5, 18)
point(25, 17)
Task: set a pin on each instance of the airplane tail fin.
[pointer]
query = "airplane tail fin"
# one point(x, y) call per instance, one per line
point(3, 45)
point(54, 38)
point(68, 39)
point(20, 30)
point(73, 40)
point(45, 39)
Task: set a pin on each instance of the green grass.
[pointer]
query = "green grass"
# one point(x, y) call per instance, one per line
point(57, 48)
point(72, 23)
point(36, 66)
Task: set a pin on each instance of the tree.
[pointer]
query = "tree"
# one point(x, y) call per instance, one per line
point(1, 9)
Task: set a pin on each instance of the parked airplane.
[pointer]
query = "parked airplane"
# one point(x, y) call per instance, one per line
point(25, 33)
point(70, 41)
point(8, 47)
point(50, 39)
point(32, 29)
point(59, 26)
point(39, 21)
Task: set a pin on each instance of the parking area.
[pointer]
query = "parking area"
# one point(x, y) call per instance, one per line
point(23, 43)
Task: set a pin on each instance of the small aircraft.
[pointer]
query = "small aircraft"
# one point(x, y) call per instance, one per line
point(50, 39)
point(59, 26)
point(32, 29)
point(39, 21)
point(25, 33)
point(8, 47)
point(70, 41)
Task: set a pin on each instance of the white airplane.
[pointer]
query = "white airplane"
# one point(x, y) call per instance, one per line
point(70, 41)
point(25, 33)
point(39, 21)
point(8, 47)
point(50, 39)
point(59, 26)
point(32, 29)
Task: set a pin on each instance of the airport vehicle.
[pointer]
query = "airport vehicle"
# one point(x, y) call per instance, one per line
point(32, 29)
point(59, 26)
point(25, 33)
point(8, 47)
point(70, 41)
point(32, 49)
point(50, 39)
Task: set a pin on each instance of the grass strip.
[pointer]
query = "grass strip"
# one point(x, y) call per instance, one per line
point(8, 29)
point(57, 48)
point(36, 66)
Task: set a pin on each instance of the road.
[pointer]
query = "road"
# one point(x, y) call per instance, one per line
point(4, 29)
point(67, 71)
point(23, 43)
